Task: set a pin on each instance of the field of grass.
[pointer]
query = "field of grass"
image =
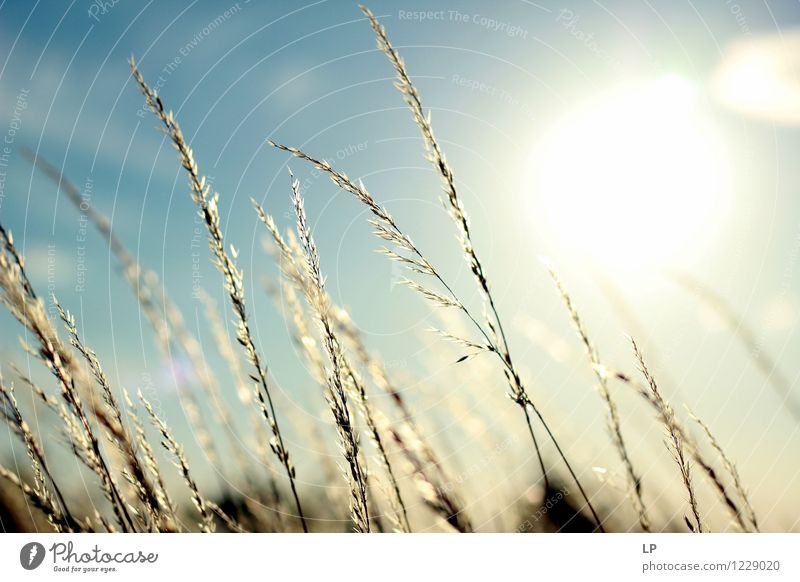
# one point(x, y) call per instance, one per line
point(388, 471)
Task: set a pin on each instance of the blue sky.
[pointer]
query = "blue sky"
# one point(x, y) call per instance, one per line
point(497, 77)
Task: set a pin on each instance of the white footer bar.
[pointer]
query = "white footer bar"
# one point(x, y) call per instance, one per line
point(329, 557)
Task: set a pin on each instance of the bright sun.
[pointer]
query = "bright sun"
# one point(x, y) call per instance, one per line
point(633, 177)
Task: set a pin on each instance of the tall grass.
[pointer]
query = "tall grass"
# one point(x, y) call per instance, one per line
point(234, 278)
point(418, 264)
point(676, 439)
point(614, 423)
point(102, 428)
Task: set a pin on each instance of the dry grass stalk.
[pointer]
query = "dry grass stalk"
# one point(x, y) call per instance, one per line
point(614, 424)
point(294, 312)
point(210, 384)
point(243, 392)
point(676, 437)
point(429, 471)
point(169, 518)
point(730, 467)
point(229, 522)
point(116, 431)
point(457, 213)
point(176, 450)
point(380, 378)
point(690, 443)
point(291, 261)
point(72, 434)
point(436, 494)
point(387, 229)
point(336, 394)
point(11, 414)
point(225, 347)
point(234, 278)
point(437, 158)
point(44, 504)
point(163, 315)
point(58, 512)
point(187, 343)
point(424, 464)
point(22, 302)
point(357, 388)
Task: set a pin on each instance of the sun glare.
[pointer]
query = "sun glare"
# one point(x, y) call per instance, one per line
point(634, 176)
point(758, 78)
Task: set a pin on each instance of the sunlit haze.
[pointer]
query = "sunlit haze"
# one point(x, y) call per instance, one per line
point(636, 174)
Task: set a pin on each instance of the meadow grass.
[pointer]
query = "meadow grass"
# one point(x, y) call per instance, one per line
point(107, 436)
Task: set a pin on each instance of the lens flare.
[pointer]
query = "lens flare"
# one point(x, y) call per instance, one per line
point(634, 176)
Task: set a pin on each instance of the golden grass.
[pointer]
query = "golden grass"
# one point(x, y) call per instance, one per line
point(105, 434)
